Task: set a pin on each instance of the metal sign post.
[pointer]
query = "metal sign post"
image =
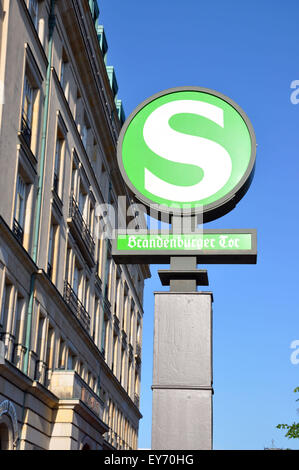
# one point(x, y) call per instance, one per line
point(182, 367)
point(186, 152)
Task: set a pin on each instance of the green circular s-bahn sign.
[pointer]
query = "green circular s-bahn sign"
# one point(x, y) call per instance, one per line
point(188, 149)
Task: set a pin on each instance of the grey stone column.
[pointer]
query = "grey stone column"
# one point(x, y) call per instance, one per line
point(182, 370)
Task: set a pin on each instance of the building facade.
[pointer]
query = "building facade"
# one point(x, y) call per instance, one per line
point(70, 319)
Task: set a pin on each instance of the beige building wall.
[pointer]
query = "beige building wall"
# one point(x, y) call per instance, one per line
point(71, 320)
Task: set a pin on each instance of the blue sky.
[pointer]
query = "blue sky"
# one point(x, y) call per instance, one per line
point(249, 52)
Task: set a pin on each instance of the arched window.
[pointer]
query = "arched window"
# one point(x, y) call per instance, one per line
point(6, 433)
point(4, 437)
point(9, 432)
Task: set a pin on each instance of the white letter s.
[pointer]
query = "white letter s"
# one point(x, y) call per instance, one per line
point(175, 146)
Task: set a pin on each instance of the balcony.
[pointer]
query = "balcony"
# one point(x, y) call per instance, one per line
point(49, 270)
point(130, 352)
point(76, 306)
point(116, 441)
point(137, 363)
point(102, 395)
point(81, 231)
point(18, 231)
point(116, 324)
point(97, 279)
point(138, 350)
point(124, 339)
point(136, 399)
point(68, 386)
point(55, 183)
point(107, 308)
point(138, 357)
point(26, 129)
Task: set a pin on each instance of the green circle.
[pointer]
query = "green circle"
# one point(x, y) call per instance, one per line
point(234, 136)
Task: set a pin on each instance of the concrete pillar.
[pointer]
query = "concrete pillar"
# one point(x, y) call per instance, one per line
point(182, 371)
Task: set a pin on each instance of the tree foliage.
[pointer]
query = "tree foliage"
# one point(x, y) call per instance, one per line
point(292, 429)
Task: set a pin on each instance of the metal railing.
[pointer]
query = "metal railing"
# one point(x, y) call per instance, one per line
point(136, 399)
point(98, 280)
point(124, 338)
point(69, 385)
point(138, 349)
point(116, 324)
point(76, 216)
point(102, 395)
point(137, 363)
point(18, 231)
point(26, 129)
point(55, 183)
point(107, 308)
point(49, 270)
point(116, 441)
point(130, 352)
point(76, 305)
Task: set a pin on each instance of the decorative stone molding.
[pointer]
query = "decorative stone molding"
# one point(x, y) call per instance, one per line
point(7, 409)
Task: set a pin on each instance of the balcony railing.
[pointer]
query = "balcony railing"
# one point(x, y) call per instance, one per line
point(26, 129)
point(18, 231)
point(102, 395)
point(98, 280)
point(55, 183)
point(116, 441)
point(107, 308)
point(116, 324)
point(76, 306)
point(136, 399)
point(130, 352)
point(68, 385)
point(138, 349)
point(81, 226)
point(49, 270)
point(137, 363)
point(124, 339)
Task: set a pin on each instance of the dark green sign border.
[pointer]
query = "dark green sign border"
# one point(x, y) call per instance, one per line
point(160, 256)
point(210, 211)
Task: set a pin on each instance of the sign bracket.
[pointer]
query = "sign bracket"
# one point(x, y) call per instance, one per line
point(183, 275)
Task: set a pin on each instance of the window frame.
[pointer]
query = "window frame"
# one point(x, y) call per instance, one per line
point(20, 203)
point(33, 10)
